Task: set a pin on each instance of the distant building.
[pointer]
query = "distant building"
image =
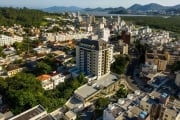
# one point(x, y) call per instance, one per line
point(57, 37)
point(103, 20)
point(94, 57)
point(125, 49)
point(42, 50)
point(8, 40)
point(9, 51)
point(104, 34)
point(89, 28)
point(145, 30)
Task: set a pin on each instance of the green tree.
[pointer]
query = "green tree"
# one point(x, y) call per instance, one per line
point(120, 64)
point(3, 85)
point(42, 68)
point(102, 103)
point(21, 92)
point(75, 84)
point(50, 60)
point(1, 49)
point(122, 93)
point(68, 92)
point(81, 78)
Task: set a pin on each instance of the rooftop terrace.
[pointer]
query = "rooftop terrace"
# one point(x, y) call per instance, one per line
point(87, 90)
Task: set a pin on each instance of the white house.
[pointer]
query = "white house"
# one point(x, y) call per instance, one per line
point(57, 79)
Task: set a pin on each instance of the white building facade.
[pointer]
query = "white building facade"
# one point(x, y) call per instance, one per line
point(94, 57)
point(8, 40)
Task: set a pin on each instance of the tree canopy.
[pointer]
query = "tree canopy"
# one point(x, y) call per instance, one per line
point(122, 92)
point(23, 16)
point(120, 64)
point(24, 91)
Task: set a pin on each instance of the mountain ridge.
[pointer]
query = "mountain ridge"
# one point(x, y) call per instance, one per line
point(153, 7)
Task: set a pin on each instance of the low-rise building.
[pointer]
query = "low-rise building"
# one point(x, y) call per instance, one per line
point(126, 108)
point(46, 82)
point(70, 115)
point(88, 93)
point(50, 82)
point(149, 68)
point(13, 69)
point(157, 58)
point(42, 50)
point(9, 40)
point(36, 113)
point(141, 106)
point(171, 111)
point(57, 78)
point(173, 57)
point(124, 49)
point(64, 37)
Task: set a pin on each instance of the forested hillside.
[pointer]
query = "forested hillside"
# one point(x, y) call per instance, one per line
point(171, 23)
point(24, 16)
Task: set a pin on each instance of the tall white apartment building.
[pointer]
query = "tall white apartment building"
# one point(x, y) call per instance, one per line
point(104, 34)
point(94, 57)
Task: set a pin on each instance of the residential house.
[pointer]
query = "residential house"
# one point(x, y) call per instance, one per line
point(158, 58)
point(50, 82)
point(13, 69)
point(46, 82)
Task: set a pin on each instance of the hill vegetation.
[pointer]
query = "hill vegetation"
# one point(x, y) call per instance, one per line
point(170, 24)
point(23, 16)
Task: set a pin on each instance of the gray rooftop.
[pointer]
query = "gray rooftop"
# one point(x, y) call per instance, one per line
point(29, 113)
point(93, 44)
point(87, 90)
point(47, 117)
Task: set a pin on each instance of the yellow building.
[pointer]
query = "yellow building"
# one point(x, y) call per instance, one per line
point(158, 58)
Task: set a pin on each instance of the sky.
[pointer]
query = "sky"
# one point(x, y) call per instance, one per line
point(82, 3)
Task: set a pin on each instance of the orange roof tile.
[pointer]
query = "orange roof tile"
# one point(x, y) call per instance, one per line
point(43, 77)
